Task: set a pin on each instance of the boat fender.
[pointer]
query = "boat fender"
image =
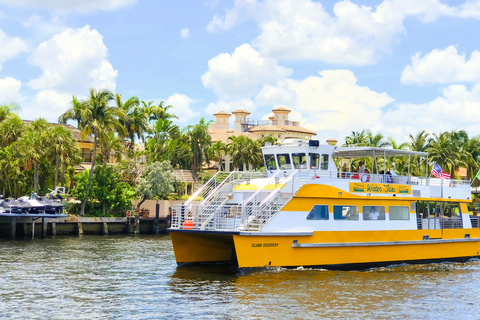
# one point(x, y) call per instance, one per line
point(315, 177)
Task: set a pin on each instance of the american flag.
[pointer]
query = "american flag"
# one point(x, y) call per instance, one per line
point(438, 172)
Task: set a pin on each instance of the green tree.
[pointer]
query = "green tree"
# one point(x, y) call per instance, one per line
point(33, 145)
point(444, 151)
point(157, 182)
point(95, 116)
point(65, 146)
point(200, 142)
point(244, 152)
point(420, 143)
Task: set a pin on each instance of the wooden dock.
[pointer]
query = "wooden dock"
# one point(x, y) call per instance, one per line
point(43, 225)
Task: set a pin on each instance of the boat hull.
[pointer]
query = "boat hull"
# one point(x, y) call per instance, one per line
point(330, 250)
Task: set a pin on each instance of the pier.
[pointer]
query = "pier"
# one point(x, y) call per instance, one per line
point(15, 226)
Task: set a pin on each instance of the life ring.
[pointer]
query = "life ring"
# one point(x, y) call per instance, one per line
point(188, 224)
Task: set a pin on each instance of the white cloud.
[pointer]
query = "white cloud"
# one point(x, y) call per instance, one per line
point(185, 33)
point(302, 29)
point(275, 94)
point(181, 107)
point(442, 66)
point(73, 62)
point(45, 28)
point(335, 102)
point(82, 6)
point(10, 47)
point(242, 73)
point(229, 106)
point(458, 108)
point(10, 90)
point(56, 104)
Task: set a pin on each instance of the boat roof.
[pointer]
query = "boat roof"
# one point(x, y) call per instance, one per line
point(366, 152)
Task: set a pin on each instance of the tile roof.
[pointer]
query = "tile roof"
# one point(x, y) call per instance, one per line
point(240, 111)
point(222, 113)
point(282, 109)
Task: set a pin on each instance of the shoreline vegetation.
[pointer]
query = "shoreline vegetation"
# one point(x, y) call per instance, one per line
point(135, 147)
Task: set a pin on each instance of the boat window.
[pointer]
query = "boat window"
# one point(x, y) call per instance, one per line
point(314, 160)
point(451, 209)
point(324, 162)
point(345, 212)
point(373, 212)
point(398, 213)
point(284, 161)
point(270, 161)
point(299, 160)
point(318, 212)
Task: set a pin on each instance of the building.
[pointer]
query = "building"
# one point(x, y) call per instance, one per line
point(278, 126)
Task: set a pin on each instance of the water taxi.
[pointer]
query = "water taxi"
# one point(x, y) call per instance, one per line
point(305, 212)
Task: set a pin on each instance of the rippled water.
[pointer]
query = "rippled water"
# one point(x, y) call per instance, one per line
point(135, 277)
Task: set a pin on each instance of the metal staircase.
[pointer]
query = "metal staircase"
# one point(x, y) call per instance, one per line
point(262, 206)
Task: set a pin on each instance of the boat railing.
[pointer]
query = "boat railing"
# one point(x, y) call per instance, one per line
point(385, 178)
point(437, 223)
point(256, 214)
point(475, 220)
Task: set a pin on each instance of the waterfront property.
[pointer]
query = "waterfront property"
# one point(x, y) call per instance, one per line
point(304, 212)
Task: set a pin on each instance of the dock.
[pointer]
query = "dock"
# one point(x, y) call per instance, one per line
point(15, 226)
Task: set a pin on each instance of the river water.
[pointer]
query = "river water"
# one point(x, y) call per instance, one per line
point(136, 277)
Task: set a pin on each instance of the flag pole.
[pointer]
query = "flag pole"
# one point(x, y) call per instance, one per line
point(478, 173)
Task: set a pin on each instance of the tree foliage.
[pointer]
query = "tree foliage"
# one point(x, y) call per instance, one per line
point(157, 182)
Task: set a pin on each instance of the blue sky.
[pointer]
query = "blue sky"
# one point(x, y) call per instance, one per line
point(395, 66)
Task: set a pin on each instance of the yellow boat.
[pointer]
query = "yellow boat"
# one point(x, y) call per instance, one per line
point(304, 212)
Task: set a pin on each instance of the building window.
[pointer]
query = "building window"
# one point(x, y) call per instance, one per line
point(86, 155)
point(231, 166)
point(345, 212)
point(318, 212)
point(373, 212)
point(398, 213)
point(222, 166)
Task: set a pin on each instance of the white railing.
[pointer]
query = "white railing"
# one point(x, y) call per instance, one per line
point(249, 215)
point(437, 223)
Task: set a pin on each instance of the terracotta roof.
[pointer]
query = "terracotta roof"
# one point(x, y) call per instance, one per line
point(282, 128)
point(240, 111)
point(281, 109)
point(222, 113)
point(75, 131)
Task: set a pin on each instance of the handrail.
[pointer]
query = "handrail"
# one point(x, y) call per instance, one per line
point(204, 187)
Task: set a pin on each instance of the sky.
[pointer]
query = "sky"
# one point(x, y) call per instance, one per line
point(396, 67)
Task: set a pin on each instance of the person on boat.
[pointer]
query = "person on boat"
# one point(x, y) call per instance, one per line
point(389, 177)
point(365, 176)
point(361, 167)
point(374, 215)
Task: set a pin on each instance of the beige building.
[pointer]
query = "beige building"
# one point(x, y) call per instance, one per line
point(277, 126)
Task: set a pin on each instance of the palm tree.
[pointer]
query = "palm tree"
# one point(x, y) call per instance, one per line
point(376, 140)
point(135, 121)
point(96, 116)
point(163, 131)
point(445, 152)
point(110, 142)
point(218, 150)
point(64, 145)
point(419, 142)
point(10, 129)
point(244, 152)
point(356, 139)
point(200, 142)
point(7, 109)
point(33, 145)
